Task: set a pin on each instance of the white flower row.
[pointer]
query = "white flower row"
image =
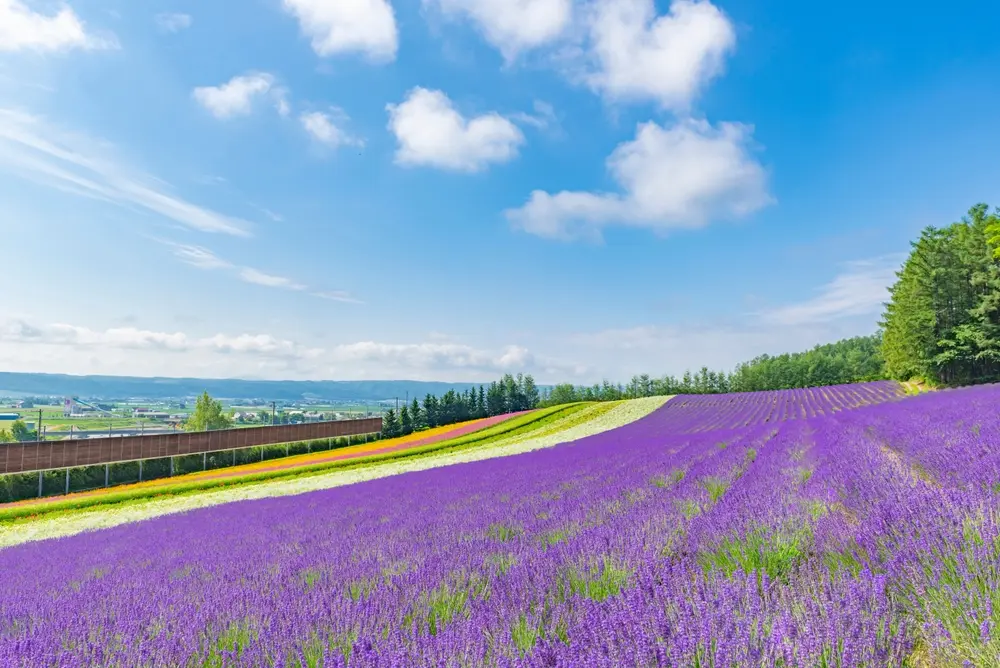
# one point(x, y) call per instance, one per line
point(88, 520)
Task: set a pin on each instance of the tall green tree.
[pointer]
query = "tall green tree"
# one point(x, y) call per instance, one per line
point(405, 422)
point(390, 425)
point(19, 431)
point(417, 415)
point(208, 415)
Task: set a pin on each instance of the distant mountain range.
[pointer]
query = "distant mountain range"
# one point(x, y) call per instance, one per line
point(128, 387)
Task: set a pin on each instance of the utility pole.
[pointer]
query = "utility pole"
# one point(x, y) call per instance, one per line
point(38, 433)
point(273, 408)
point(397, 405)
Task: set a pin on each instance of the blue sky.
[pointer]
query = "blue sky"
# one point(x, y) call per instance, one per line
point(453, 189)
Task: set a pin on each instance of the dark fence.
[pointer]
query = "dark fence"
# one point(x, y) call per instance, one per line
point(35, 456)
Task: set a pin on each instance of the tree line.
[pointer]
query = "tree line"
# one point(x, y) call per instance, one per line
point(510, 394)
point(853, 360)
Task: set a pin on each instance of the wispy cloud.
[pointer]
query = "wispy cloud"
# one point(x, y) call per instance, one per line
point(846, 306)
point(203, 258)
point(170, 22)
point(337, 296)
point(36, 150)
point(543, 118)
point(860, 289)
point(269, 280)
point(196, 256)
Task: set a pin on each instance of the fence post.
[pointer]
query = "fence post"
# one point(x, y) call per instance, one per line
point(67, 481)
point(204, 461)
point(286, 449)
point(140, 470)
point(234, 458)
point(171, 467)
point(107, 471)
point(39, 484)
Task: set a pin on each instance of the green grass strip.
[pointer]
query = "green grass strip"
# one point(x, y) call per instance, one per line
point(514, 426)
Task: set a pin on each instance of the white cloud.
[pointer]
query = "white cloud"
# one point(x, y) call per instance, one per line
point(337, 296)
point(35, 150)
point(543, 118)
point(633, 54)
point(860, 290)
point(269, 280)
point(22, 29)
point(135, 351)
point(512, 26)
point(236, 97)
point(132, 338)
point(197, 256)
point(324, 128)
point(683, 176)
point(348, 26)
point(203, 258)
point(431, 132)
point(170, 22)
point(846, 306)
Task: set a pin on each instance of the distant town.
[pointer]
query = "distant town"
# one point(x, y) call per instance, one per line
point(75, 417)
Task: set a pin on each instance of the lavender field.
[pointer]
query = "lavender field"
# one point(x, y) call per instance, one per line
point(838, 527)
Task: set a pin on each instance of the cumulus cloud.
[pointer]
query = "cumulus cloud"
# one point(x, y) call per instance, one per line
point(367, 27)
point(132, 350)
point(170, 22)
point(634, 55)
point(22, 29)
point(512, 26)
point(682, 176)
point(325, 128)
point(33, 149)
point(236, 97)
point(431, 132)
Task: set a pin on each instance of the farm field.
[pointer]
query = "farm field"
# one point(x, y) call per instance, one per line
point(845, 528)
point(416, 439)
point(545, 428)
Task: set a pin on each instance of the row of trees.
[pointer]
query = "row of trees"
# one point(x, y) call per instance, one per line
point(849, 361)
point(510, 394)
point(942, 322)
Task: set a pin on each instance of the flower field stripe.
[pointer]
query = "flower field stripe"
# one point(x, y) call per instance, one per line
point(519, 423)
point(416, 439)
point(603, 417)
